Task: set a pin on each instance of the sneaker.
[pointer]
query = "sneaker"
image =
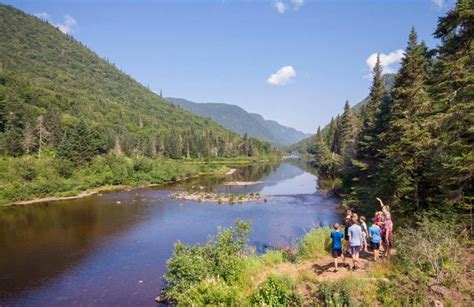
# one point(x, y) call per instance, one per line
point(354, 268)
point(335, 271)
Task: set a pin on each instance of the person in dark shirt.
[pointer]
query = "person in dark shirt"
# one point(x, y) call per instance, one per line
point(336, 236)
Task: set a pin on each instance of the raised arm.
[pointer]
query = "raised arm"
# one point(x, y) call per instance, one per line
point(381, 202)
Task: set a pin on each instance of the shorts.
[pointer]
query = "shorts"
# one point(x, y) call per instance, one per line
point(355, 249)
point(336, 253)
point(346, 238)
point(374, 246)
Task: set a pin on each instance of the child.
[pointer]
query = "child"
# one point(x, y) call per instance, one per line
point(336, 237)
point(388, 236)
point(355, 238)
point(347, 224)
point(375, 238)
point(365, 233)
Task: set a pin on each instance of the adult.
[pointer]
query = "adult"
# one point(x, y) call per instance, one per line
point(388, 236)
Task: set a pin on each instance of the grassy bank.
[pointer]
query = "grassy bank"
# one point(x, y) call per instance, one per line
point(225, 271)
point(30, 177)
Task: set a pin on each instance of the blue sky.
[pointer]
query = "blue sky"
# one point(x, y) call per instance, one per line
point(294, 61)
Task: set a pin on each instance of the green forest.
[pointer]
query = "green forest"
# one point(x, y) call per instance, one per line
point(64, 111)
point(410, 144)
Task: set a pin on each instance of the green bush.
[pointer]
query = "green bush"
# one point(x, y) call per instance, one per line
point(315, 244)
point(335, 294)
point(431, 251)
point(211, 291)
point(220, 258)
point(277, 291)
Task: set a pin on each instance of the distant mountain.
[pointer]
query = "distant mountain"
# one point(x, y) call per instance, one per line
point(389, 81)
point(240, 121)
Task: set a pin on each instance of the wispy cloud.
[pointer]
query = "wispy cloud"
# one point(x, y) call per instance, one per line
point(283, 5)
point(68, 26)
point(280, 6)
point(42, 15)
point(388, 61)
point(282, 76)
point(439, 3)
point(297, 3)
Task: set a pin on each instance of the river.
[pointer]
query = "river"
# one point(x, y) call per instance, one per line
point(111, 249)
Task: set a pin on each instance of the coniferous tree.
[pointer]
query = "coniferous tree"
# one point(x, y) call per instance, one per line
point(407, 141)
point(79, 144)
point(348, 133)
point(452, 120)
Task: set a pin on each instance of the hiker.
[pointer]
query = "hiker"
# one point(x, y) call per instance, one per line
point(385, 208)
point(336, 236)
point(388, 236)
point(365, 233)
point(347, 224)
point(375, 238)
point(355, 239)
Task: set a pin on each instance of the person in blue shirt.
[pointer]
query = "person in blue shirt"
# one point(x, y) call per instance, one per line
point(337, 236)
point(375, 239)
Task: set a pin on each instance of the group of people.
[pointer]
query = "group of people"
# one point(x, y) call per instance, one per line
point(357, 237)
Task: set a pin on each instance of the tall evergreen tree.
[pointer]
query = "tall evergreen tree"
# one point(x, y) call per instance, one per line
point(348, 133)
point(452, 120)
point(406, 139)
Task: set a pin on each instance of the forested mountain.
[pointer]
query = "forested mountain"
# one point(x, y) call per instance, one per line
point(240, 121)
point(412, 144)
point(56, 93)
point(302, 146)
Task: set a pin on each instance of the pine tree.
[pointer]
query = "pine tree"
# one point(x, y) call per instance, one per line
point(13, 136)
point(348, 133)
point(407, 141)
point(78, 145)
point(452, 119)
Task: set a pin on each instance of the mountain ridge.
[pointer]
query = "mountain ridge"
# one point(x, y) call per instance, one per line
point(239, 120)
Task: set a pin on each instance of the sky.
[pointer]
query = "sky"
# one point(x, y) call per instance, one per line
point(294, 61)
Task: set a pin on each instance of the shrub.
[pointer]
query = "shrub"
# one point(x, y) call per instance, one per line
point(219, 258)
point(277, 291)
point(432, 250)
point(315, 244)
point(211, 291)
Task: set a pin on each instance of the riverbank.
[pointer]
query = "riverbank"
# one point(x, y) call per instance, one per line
point(304, 275)
point(30, 180)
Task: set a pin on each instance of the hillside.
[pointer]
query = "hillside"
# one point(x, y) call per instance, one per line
point(389, 80)
point(242, 122)
point(51, 81)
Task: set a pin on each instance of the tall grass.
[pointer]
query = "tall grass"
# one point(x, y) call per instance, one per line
point(315, 244)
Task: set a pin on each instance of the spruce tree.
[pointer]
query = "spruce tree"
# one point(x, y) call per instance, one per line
point(452, 119)
point(407, 140)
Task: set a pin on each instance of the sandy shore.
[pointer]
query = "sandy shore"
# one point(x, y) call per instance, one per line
point(105, 189)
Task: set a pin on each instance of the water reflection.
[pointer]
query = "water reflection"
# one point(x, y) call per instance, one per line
point(112, 249)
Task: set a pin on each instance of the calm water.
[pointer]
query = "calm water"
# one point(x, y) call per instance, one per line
point(111, 249)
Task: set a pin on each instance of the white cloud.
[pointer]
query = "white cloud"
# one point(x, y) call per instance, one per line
point(68, 26)
point(439, 3)
point(42, 15)
point(282, 76)
point(280, 6)
point(388, 61)
point(297, 3)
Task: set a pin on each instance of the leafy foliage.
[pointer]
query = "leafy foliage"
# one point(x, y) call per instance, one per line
point(219, 258)
point(277, 291)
